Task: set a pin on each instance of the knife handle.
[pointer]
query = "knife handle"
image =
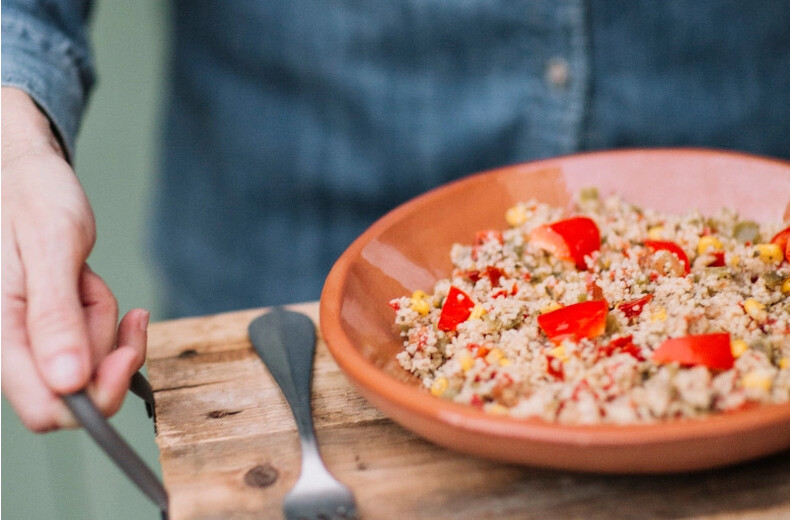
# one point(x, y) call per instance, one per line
point(114, 446)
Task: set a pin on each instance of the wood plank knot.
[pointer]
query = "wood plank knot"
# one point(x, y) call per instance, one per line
point(261, 476)
point(219, 414)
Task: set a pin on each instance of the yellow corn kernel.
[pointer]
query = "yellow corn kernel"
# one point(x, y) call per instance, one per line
point(769, 252)
point(786, 286)
point(754, 309)
point(756, 380)
point(708, 243)
point(418, 295)
point(439, 386)
point(421, 307)
point(497, 409)
point(659, 315)
point(494, 356)
point(419, 304)
point(515, 216)
point(734, 260)
point(467, 362)
point(784, 363)
point(553, 306)
point(738, 347)
point(655, 233)
point(477, 312)
point(559, 353)
point(505, 362)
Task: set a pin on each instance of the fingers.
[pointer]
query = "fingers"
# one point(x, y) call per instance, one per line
point(101, 314)
point(39, 409)
point(58, 333)
point(48, 216)
point(111, 381)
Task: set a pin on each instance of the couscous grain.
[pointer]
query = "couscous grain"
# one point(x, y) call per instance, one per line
point(609, 313)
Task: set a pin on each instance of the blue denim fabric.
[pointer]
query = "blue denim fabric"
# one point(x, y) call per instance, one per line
point(291, 126)
point(46, 53)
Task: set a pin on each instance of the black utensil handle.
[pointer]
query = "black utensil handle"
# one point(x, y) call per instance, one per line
point(285, 342)
point(142, 389)
point(115, 447)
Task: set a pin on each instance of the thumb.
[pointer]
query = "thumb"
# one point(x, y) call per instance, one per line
point(56, 325)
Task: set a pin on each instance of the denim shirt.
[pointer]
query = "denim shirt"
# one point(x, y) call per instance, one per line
point(291, 125)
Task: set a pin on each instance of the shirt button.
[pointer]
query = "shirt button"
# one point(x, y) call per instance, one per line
point(557, 72)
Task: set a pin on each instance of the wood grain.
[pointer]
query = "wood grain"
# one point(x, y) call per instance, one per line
point(229, 449)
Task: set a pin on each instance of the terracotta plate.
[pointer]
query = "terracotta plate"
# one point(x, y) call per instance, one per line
point(409, 248)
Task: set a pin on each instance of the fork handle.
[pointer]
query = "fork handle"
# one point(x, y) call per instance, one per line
point(285, 341)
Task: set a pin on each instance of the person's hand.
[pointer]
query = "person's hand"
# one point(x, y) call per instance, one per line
point(58, 317)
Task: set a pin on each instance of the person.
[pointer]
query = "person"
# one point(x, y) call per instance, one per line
point(291, 126)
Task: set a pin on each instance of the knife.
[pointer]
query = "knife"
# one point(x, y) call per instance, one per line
point(113, 444)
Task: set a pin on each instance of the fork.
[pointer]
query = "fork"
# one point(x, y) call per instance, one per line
point(285, 341)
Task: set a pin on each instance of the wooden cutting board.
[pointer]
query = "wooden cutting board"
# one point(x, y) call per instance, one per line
point(229, 449)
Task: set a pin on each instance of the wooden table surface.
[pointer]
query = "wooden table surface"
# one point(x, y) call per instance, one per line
point(229, 449)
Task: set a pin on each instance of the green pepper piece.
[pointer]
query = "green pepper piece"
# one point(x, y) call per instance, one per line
point(746, 231)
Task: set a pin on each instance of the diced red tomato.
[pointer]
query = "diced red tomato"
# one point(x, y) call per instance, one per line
point(395, 304)
point(710, 350)
point(570, 239)
point(672, 247)
point(456, 309)
point(624, 344)
point(718, 259)
point(633, 308)
point(577, 321)
point(782, 239)
point(554, 367)
point(593, 289)
point(473, 275)
point(494, 274)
